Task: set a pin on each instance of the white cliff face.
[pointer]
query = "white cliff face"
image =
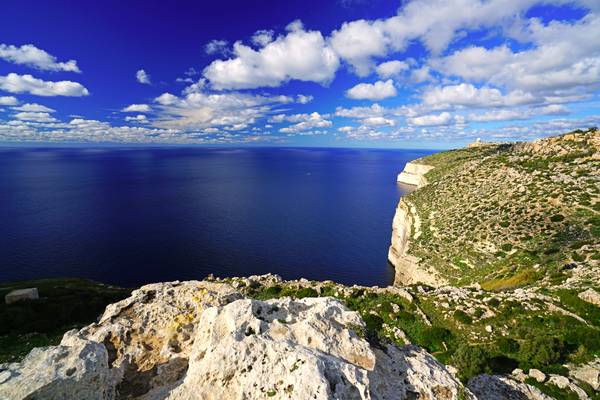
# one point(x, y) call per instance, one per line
point(201, 340)
point(414, 174)
point(405, 225)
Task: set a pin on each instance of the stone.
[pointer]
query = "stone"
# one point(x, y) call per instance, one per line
point(497, 387)
point(489, 329)
point(76, 369)
point(191, 340)
point(537, 375)
point(21, 294)
point(519, 375)
point(591, 296)
point(560, 381)
point(588, 373)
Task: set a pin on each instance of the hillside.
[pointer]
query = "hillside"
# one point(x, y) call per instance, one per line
point(512, 215)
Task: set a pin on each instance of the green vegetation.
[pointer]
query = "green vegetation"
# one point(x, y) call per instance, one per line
point(64, 304)
point(507, 216)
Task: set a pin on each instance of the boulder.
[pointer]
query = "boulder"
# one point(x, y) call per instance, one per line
point(588, 373)
point(76, 369)
point(591, 296)
point(497, 387)
point(537, 375)
point(21, 294)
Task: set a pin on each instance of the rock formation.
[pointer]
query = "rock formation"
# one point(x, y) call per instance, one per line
point(407, 270)
point(414, 174)
point(203, 340)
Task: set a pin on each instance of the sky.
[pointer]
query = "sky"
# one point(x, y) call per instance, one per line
point(350, 73)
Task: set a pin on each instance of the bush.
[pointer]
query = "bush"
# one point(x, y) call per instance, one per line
point(506, 247)
point(306, 292)
point(507, 345)
point(462, 317)
point(541, 351)
point(557, 218)
point(470, 360)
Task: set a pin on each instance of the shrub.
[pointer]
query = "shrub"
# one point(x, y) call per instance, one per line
point(306, 292)
point(507, 345)
point(541, 351)
point(506, 247)
point(462, 317)
point(557, 218)
point(470, 360)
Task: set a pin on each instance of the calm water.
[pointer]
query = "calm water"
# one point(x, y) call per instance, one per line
point(133, 216)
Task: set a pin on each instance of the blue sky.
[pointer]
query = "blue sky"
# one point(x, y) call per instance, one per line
point(421, 73)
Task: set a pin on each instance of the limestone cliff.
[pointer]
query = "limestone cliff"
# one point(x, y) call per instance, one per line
point(206, 340)
point(405, 225)
point(414, 174)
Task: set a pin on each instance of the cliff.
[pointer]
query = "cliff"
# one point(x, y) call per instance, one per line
point(206, 340)
point(414, 174)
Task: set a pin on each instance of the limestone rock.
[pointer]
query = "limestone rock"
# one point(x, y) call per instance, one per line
point(496, 387)
point(588, 373)
point(537, 375)
point(21, 294)
point(591, 296)
point(76, 369)
point(204, 340)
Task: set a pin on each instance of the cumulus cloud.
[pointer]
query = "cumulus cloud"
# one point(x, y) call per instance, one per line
point(35, 116)
point(468, 95)
point(391, 69)
point(444, 118)
point(8, 101)
point(137, 108)
point(15, 83)
point(300, 54)
point(304, 99)
point(33, 57)
point(142, 77)
point(140, 118)
point(358, 42)
point(202, 110)
point(263, 37)
point(307, 122)
point(34, 107)
point(372, 91)
point(217, 47)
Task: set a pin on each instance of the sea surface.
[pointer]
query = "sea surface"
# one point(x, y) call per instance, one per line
point(130, 216)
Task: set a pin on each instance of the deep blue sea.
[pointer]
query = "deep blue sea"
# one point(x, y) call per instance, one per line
point(139, 215)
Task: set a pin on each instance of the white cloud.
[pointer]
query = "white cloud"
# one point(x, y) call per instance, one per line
point(378, 121)
point(217, 47)
point(468, 95)
point(35, 117)
point(141, 118)
point(142, 77)
point(201, 110)
point(14, 83)
point(372, 91)
point(375, 110)
point(301, 55)
point(136, 108)
point(31, 56)
point(390, 69)
point(304, 99)
point(34, 107)
point(8, 101)
point(263, 37)
point(358, 42)
point(310, 122)
point(444, 118)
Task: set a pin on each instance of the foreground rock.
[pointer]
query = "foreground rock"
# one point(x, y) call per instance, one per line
point(202, 340)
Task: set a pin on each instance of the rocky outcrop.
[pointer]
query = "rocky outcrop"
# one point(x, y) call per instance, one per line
point(407, 269)
point(414, 174)
point(496, 387)
point(205, 340)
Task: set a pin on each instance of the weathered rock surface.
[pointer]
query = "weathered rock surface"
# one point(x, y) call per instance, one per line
point(21, 294)
point(496, 387)
point(203, 340)
point(76, 369)
point(588, 373)
point(407, 269)
point(591, 296)
point(414, 174)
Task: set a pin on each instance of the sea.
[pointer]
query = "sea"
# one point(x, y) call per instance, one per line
point(130, 216)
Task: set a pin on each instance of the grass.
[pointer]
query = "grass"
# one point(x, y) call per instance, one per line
point(63, 304)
